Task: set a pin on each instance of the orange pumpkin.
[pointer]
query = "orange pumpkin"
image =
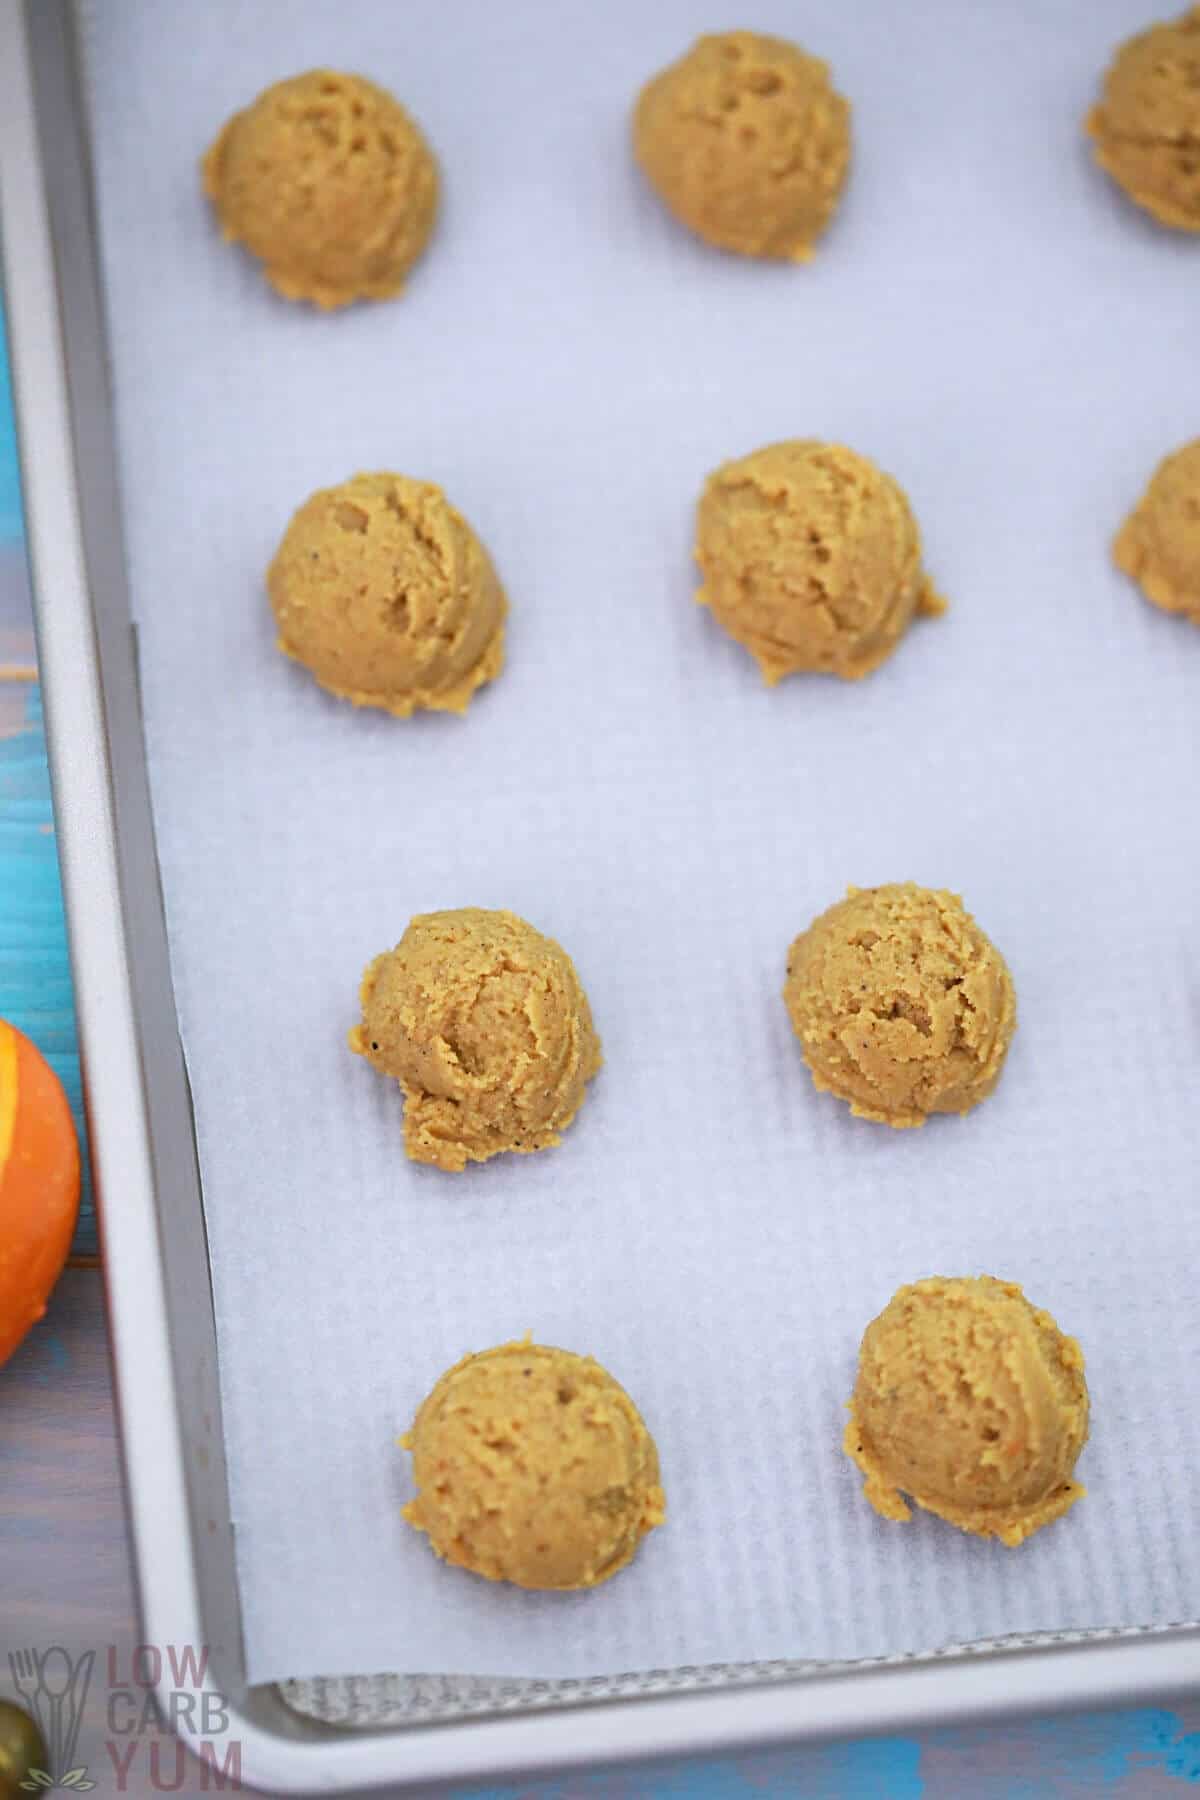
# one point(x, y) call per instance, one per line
point(39, 1184)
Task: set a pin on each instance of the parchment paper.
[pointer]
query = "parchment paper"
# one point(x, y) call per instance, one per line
point(994, 324)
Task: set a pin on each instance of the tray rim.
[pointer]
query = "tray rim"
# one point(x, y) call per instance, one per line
point(88, 661)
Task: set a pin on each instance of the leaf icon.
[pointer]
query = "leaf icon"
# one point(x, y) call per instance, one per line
point(76, 1778)
point(38, 1778)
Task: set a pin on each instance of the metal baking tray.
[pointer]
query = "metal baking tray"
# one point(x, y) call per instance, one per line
point(376, 1728)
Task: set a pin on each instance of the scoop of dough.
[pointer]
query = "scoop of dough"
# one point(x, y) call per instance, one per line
point(327, 180)
point(811, 558)
point(747, 143)
point(1146, 127)
point(532, 1465)
point(486, 1027)
point(384, 593)
point(902, 1006)
point(974, 1404)
point(1159, 543)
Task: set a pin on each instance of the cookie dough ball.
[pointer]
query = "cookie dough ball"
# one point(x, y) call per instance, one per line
point(747, 142)
point(1159, 543)
point(384, 593)
point(1146, 128)
point(974, 1404)
point(326, 180)
point(902, 1006)
point(533, 1465)
point(811, 558)
point(486, 1027)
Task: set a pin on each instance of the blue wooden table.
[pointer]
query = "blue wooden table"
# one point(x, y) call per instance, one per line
point(64, 1569)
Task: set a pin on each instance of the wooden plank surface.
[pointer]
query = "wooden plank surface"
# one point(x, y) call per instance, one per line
point(64, 1572)
point(34, 973)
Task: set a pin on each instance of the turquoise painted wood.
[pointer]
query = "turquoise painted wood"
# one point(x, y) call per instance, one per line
point(35, 980)
point(10, 486)
point(1145, 1753)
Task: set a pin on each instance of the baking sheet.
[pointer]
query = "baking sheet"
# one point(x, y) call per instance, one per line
point(993, 324)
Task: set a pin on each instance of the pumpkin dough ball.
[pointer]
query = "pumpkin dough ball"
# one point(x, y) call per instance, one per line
point(326, 180)
point(811, 558)
point(974, 1404)
point(902, 1006)
point(1146, 128)
point(532, 1465)
point(384, 593)
point(747, 143)
point(486, 1027)
point(1159, 543)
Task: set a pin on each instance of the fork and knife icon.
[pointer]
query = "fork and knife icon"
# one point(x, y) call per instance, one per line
point(54, 1688)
